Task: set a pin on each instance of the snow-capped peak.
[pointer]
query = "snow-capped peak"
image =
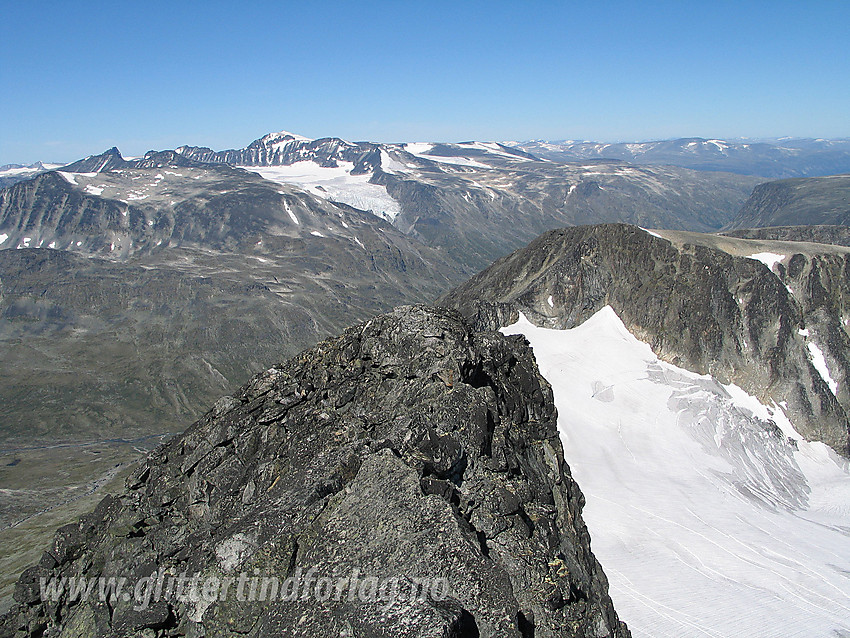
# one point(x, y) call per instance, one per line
point(284, 135)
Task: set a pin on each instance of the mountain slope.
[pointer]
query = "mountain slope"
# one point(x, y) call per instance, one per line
point(708, 304)
point(202, 274)
point(797, 202)
point(138, 295)
point(350, 457)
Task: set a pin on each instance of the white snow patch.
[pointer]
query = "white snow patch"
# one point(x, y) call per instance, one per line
point(79, 243)
point(418, 148)
point(3, 238)
point(94, 190)
point(316, 233)
point(360, 243)
point(819, 362)
point(334, 184)
point(550, 301)
point(803, 332)
point(768, 259)
point(698, 512)
point(280, 134)
point(291, 214)
point(453, 159)
point(69, 177)
point(390, 165)
point(494, 149)
point(52, 244)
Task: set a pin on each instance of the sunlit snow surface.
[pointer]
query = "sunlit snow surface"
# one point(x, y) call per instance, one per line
point(335, 184)
point(705, 518)
point(768, 259)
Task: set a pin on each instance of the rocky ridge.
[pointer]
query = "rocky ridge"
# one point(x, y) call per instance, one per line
point(702, 302)
point(409, 446)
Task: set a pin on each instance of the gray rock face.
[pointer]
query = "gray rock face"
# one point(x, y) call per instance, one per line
point(699, 305)
point(409, 447)
point(284, 149)
point(797, 202)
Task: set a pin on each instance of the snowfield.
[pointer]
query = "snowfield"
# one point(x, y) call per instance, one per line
point(708, 520)
point(334, 184)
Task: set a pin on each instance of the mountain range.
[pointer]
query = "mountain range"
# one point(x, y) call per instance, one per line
point(774, 159)
point(134, 293)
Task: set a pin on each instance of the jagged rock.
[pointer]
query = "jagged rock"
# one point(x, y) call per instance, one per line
point(697, 305)
point(408, 447)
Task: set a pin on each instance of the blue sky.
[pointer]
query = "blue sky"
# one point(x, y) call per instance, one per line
point(80, 77)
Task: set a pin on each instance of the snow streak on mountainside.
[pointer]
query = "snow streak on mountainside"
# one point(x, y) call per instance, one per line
point(711, 516)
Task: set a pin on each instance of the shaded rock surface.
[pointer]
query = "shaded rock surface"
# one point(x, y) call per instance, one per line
point(407, 447)
point(797, 202)
point(699, 303)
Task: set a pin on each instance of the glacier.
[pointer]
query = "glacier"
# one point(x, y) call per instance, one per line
point(335, 184)
point(710, 515)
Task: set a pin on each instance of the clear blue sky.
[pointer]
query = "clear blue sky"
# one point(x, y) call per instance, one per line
point(79, 77)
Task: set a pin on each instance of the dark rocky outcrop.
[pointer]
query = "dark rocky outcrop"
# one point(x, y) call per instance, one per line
point(409, 446)
point(111, 160)
point(698, 305)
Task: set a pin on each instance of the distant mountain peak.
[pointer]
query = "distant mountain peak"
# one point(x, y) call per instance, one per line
point(283, 135)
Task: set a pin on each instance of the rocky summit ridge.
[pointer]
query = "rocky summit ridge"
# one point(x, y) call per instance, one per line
point(409, 447)
point(759, 314)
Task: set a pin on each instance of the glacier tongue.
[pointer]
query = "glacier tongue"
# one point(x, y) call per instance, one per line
point(710, 515)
